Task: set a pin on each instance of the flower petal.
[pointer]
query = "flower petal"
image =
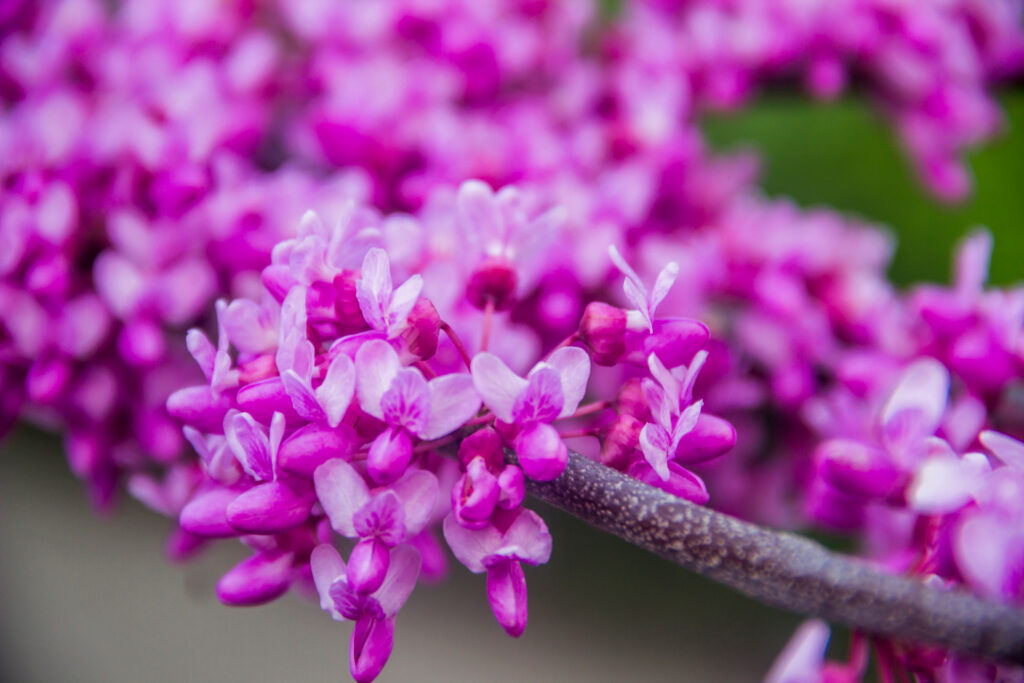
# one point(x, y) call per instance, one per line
point(374, 287)
point(573, 365)
point(342, 491)
point(529, 538)
point(418, 490)
point(1006, 448)
point(335, 393)
point(453, 401)
point(376, 366)
point(250, 445)
point(401, 303)
point(496, 383)
point(403, 571)
point(471, 546)
point(327, 567)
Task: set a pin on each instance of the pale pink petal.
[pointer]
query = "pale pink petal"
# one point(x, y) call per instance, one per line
point(916, 405)
point(673, 388)
point(342, 491)
point(527, 539)
point(943, 485)
point(471, 546)
point(972, 262)
point(1006, 448)
point(336, 391)
point(666, 278)
point(480, 216)
point(250, 445)
point(655, 444)
point(376, 367)
point(803, 658)
point(202, 349)
point(496, 384)
point(401, 303)
point(303, 399)
point(249, 326)
point(983, 547)
point(690, 378)
point(222, 377)
point(327, 567)
point(685, 424)
point(373, 289)
point(573, 365)
point(453, 402)
point(403, 571)
point(418, 490)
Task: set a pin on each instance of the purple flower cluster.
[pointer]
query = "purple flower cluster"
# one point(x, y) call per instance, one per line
point(332, 401)
point(521, 228)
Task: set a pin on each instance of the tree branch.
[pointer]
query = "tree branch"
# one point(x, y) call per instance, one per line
point(783, 569)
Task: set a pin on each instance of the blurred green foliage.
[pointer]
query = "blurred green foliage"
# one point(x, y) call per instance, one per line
point(843, 154)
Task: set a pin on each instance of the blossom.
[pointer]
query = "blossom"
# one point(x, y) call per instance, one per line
point(552, 389)
point(373, 613)
point(498, 549)
point(408, 404)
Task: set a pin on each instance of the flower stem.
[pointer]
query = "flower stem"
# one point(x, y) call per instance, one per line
point(485, 334)
point(783, 569)
point(456, 341)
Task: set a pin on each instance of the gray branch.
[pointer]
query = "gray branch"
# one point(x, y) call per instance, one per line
point(783, 569)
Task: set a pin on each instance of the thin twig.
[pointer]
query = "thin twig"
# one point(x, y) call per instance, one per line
point(783, 569)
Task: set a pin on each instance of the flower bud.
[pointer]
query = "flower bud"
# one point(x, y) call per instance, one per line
point(256, 580)
point(389, 455)
point(603, 329)
point(270, 508)
point(368, 565)
point(370, 647)
point(710, 437)
point(475, 494)
point(493, 280)
point(542, 454)
point(485, 443)
point(141, 342)
point(506, 593)
point(198, 407)
point(620, 441)
point(423, 327)
point(47, 378)
point(311, 446)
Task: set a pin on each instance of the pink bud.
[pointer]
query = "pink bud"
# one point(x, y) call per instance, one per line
point(620, 441)
point(506, 593)
point(370, 647)
point(270, 508)
point(141, 342)
point(206, 514)
point(198, 407)
point(494, 281)
point(423, 326)
point(47, 378)
point(368, 565)
point(710, 437)
point(475, 494)
point(256, 580)
point(485, 443)
point(348, 315)
point(542, 454)
point(513, 487)
point(264, 398)
point(603, 329)
point(389, 455)
point(311, 446)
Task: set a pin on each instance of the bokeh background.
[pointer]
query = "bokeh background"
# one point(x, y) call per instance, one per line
point(91, 600)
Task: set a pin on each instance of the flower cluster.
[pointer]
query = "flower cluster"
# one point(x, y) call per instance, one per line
point(165, 165)
point(333, 401)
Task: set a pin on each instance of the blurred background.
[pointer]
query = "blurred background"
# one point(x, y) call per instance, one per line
point(92, 600)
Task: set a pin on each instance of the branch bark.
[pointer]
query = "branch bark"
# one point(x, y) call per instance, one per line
point(783, 569)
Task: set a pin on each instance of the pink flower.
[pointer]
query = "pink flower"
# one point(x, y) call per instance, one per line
point(552, 389)
point(408, 404)
point(498, 549)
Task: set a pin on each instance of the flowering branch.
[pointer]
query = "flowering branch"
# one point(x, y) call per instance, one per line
point(782, 569)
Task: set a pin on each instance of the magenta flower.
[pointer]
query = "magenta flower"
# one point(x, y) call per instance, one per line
point(275, 503)
point(380, 518)
point(674, 411)
point(645, 302)
point(552, 389)
point(385, 307)
point(498, 549)
point(374, 612)
point(409, 406)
